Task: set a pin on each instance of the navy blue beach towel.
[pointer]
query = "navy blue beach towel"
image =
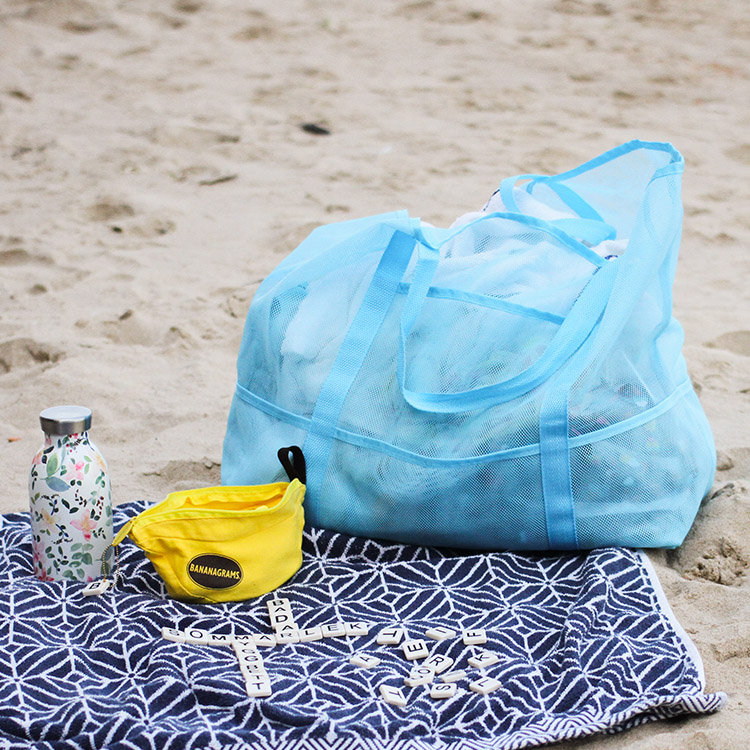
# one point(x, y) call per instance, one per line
point(586, 643)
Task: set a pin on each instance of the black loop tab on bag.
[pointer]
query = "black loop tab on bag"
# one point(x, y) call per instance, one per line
point(295, 468)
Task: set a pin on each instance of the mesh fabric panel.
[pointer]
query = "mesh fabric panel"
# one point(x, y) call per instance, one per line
point(479, 506)
point(623, 485)
point(530, 359)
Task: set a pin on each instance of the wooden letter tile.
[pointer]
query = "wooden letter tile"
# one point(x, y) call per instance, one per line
point(392, 695)
point(357, 628)
point(485, 685)
point(275, 605)
point(454, 676)
point(366, 661)
point(334, 630)
point(258, 686)
point(196, 635)
point(310, 634)
point(438, 662)
point(282, 620)
point(243, 639)
point(172, 634)
point(443, 690)
point(264, 640)
point(484, 659)
point(474, 637)
point(390, 636)
point(439, 633)
point(420, 676)
point(415, 649)
point(220, 639)
point(288, 636)
point(250, 658)
point(253, 669)
point(245, 648)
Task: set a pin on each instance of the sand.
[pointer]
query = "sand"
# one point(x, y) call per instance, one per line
point(154, 171)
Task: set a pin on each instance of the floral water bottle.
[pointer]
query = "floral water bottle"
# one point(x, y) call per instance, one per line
point(71, 508)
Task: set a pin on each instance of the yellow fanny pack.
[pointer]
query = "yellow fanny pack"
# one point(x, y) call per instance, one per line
point(219, 544)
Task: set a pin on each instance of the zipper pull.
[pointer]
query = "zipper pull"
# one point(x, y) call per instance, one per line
point(123, 532)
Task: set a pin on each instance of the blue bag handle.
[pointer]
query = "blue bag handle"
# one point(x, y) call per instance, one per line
point(377, 302)
point(580, 321)
point(590, 226)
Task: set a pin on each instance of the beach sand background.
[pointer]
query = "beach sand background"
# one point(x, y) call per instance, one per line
point(154, 171)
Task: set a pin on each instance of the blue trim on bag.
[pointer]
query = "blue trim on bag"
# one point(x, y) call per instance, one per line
point(436, 238)
point(677, 164)
point(361, 441)
point(351, 355)
point(484, 300)
point(555, 443)
point(557, 487)
point(589, 217)
point(589, 306)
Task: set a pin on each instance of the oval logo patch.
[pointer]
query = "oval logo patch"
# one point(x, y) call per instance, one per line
point(215, 571)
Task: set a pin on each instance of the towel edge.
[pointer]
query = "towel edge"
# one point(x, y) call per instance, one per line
point(681, 633)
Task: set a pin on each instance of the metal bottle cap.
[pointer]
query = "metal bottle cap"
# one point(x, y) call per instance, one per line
point(65, 420)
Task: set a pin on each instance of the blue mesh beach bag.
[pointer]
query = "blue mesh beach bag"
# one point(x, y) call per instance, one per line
point(513, 382)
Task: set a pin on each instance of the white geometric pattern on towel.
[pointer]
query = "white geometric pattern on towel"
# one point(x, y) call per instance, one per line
point(584, 646)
